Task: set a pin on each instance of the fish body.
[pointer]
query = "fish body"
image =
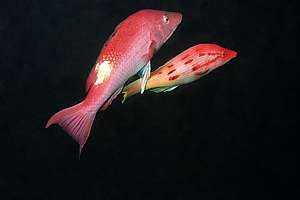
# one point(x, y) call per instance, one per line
point(188, 66)
point(128, 49)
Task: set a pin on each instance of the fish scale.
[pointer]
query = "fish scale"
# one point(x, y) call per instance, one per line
point(127, 51)
point(184, 68)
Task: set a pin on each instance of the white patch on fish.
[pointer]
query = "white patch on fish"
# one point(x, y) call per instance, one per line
point(103, 71)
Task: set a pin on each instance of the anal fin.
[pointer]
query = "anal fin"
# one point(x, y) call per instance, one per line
point(112, 97)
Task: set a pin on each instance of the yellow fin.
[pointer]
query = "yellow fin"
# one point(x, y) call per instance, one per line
point(124, 96)
point(164, 89)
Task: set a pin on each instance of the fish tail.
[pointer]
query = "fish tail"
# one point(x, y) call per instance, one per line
point(76, 121)
point(131, 89)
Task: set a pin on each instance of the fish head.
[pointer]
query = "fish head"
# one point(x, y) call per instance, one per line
point(217, 55)
point(162, 25)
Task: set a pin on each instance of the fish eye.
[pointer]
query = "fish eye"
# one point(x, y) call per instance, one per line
point(166, 19)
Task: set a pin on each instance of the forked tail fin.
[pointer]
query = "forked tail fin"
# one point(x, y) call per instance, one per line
point(76, 121)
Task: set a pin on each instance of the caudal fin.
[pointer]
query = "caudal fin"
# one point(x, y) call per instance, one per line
point(76, 121)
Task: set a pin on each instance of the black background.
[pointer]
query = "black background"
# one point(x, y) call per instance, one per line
point(230, 135)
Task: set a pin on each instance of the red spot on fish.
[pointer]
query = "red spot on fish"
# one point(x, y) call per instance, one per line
point(170, 72)
point(169, 66)
point(196, 67)
point(212, 54)
point(187, 55)
point(201, 54)
point(160, 72)
point(189, 61)
point(173, 77)
point(201, 73)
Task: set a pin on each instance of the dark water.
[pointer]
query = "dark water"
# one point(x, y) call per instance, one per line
point(230, 135)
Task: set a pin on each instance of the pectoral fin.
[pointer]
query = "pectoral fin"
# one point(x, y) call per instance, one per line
point(164, 89)
point(144, 74)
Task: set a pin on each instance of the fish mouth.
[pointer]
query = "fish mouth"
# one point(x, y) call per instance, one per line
point(231, 54)
point(178, 16)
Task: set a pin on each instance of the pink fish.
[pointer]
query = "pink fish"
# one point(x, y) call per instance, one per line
point(186, 67)
point(127, 51)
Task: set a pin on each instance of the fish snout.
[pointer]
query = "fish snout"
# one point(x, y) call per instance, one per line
point(176, 16)
point(230, 54)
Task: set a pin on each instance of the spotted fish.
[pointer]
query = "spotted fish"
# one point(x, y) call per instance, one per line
point(185, 68)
